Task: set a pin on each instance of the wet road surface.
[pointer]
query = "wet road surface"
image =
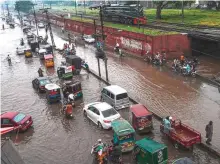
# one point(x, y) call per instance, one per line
point(164, 92)
point(54, 139)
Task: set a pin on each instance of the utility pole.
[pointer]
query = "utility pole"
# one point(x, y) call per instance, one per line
point(96, 45)
point(7, 9)
point(35, 19)
point(182, 11)
point(103, 38)
point(138, 14)
point(49, 25)
point(84, 7)
point(75, 7)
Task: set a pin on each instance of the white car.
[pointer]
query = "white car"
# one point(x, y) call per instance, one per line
point(41, 25)
point(20, 50)
point(101, 114)
point(89, 39)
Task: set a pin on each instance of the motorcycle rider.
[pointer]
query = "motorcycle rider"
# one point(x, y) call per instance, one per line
point(71, 98)
point(98, 146)
point(117, 47)
point(182, 59)
point(62, 29)
point(68, 109)
point(40, 72)
point(188, 68)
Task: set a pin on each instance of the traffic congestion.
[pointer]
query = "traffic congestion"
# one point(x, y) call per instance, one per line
point(69, 116)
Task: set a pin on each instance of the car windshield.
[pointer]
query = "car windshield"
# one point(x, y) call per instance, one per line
point(44, 82)
point(109, 112)
point(121, 96)
point(19, 117)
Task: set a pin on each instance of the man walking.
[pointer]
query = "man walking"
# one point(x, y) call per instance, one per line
point(209, 132)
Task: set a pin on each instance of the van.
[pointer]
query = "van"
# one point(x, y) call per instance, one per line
point(115, 96)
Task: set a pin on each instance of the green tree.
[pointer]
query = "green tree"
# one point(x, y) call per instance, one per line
point(160, 5)
point(23, 6)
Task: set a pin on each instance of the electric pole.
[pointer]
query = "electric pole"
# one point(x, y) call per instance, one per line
point(35, 19)
point(182, 11)
point(7, 9)
point(49, 25)
point(103, 39)
point(96, 45)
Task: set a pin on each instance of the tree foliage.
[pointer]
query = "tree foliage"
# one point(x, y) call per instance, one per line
point(23, 6)
point(163, 4)
point(212, 4)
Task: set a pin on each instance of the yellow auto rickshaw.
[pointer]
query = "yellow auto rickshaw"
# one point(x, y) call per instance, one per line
point(27, 53)
point(49, 60)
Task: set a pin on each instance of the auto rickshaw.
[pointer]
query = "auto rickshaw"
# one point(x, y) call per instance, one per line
point(75, 61)
point(34, 44)
point(141, 118)
point(150, 151)
point(124, 134)
point(65, 72)
point(28, 53)
point(48, 59)
point(52, 93)
point(42, 52)
point(48, 48)
point(26, 29)
point(72, 87)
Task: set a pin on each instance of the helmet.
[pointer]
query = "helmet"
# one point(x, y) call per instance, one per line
point(99, 140)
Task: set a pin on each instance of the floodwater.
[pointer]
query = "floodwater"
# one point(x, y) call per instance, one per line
point(54, 139)
point(164, 92)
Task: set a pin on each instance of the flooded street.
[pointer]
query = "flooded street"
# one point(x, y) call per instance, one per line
point(54, 139)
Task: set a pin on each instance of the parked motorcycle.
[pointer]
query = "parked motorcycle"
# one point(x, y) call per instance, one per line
point(190, 73)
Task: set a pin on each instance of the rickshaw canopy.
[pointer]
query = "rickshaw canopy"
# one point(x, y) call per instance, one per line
point(50, 87)
point(122, 127)
point(48, 56)
point(140, 110)
point(42, 51)
point(150, 145)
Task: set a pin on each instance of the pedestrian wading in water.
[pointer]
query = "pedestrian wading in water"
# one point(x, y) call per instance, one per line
point(209, 132)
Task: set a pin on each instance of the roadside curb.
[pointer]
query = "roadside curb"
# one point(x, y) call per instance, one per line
point(212, 149)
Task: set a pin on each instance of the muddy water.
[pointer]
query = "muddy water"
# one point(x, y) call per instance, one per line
point(164, 92)
point(54, 139)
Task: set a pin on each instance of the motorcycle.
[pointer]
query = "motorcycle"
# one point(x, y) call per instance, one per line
point(190, 73)
point(118, 51)
point(101, 155)
point(113, 159)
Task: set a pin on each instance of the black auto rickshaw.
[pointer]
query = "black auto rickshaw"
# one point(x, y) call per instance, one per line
point(12, 25)
point(34, 44)
point(76, 61)
point(26, 29)
point(48, 48)
point(72, 87)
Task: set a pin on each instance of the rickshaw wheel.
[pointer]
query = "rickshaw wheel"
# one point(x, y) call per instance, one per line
point(100, 125)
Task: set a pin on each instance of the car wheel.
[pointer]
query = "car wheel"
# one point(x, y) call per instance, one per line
point(85, 114)
point(100, 125)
